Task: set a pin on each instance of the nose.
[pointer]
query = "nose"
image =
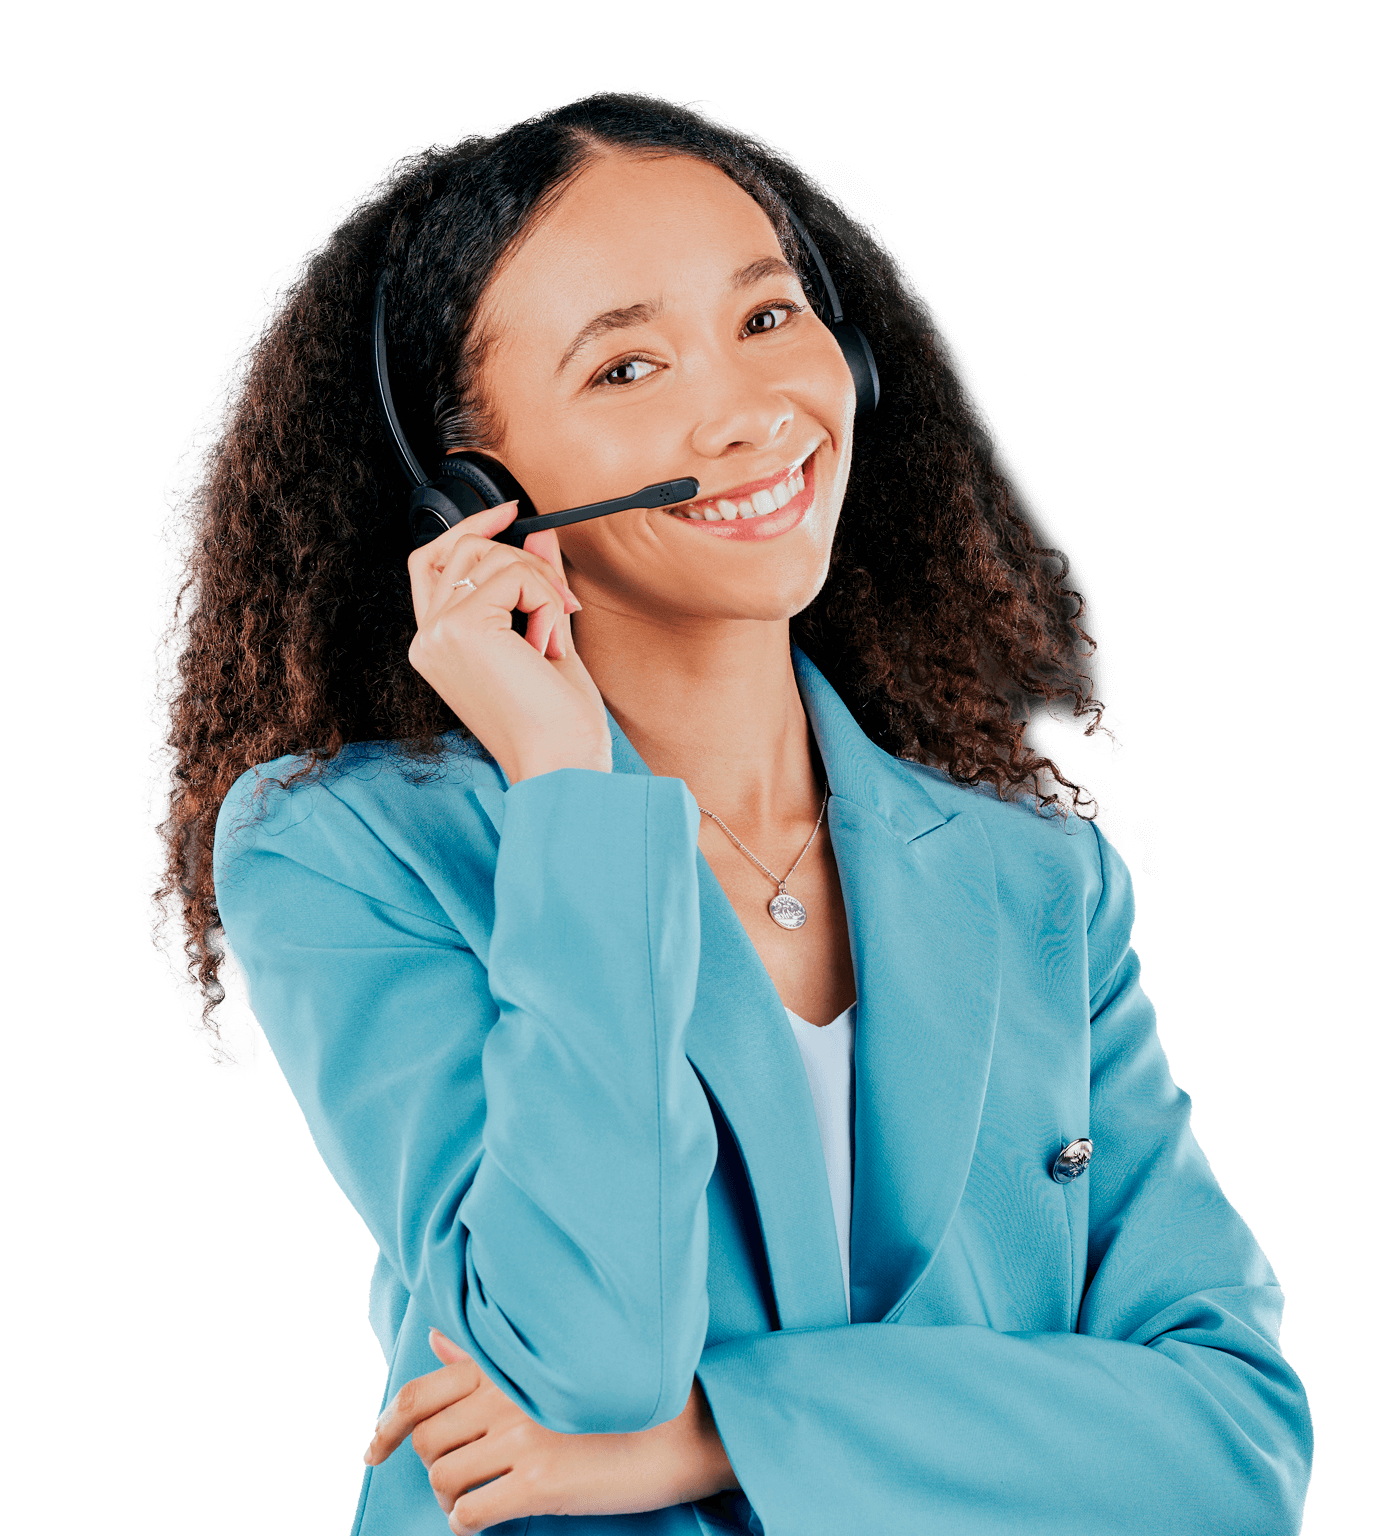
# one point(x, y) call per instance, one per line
point(740, 413)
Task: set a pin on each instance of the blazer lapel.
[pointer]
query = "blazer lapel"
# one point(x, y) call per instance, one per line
point(742, 1047)
point(920, 892)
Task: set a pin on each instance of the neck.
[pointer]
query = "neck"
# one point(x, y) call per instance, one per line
point(716, 706)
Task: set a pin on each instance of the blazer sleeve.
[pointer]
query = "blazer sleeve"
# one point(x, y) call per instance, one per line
point(520, 1129)
point(1170, 1409)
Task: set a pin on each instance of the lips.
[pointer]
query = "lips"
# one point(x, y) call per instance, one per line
point(753, 498)
point(757, 510)
point(746, 492)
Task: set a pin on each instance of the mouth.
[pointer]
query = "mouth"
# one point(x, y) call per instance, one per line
point(758, 509)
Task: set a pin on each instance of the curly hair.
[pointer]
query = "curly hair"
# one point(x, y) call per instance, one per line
point(941, 623)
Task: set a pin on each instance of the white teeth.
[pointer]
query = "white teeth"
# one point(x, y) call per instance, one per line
point(757, 505)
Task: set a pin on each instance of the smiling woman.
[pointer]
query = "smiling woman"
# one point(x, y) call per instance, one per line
point(725, 1206)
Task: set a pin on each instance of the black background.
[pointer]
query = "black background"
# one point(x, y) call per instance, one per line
point(1094, 269)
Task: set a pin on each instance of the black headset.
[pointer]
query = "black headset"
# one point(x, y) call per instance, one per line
point(469, 482)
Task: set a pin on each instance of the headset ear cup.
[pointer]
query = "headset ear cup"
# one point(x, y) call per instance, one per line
point(861, 360)
point(432, 511)
point(491, 481)
point(466, 483)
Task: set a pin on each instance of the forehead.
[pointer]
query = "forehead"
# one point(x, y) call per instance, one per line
point(626, 230)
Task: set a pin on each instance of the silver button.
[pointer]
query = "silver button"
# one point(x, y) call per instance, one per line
point(1072, 1162)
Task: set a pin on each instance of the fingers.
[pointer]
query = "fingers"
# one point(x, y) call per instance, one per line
point(545, 546)
point(433, 568)
point(510, 579)
point(428, 561)
point(505, 1498)
point(437, 570)
point(418, 1400)
point(474, 560)
point(448, 1352)
point(485, 524)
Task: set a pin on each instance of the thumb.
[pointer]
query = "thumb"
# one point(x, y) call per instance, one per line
point(442, 1346)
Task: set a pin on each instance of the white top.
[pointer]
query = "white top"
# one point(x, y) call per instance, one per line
point(827, 1053)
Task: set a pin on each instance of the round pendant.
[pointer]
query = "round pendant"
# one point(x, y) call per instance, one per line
point(788, 912)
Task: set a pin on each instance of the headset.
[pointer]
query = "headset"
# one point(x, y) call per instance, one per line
point(467, 483)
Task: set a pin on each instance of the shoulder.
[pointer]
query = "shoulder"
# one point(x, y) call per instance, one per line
point(1035, 848)
point(374, 816)
point(1059, 880)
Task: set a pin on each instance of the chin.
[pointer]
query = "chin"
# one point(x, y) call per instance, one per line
point(762, 607)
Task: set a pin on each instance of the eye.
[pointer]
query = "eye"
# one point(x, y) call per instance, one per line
point(629, 370)
point(782, 309)
point(771, 318)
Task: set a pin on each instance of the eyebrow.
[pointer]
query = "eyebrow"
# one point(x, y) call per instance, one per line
point(646, 310)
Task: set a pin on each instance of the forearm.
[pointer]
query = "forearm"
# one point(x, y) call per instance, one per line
point(599, 1141)
point(686, 1456)
point(488, 1462)
point(890, 1427)
point(554, 1223)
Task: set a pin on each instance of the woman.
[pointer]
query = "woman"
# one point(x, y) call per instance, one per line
point(886, 1220)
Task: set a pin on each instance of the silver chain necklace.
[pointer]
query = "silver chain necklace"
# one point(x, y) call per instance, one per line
point(788, 911)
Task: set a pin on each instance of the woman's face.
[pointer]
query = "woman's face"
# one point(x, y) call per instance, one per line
point(649, 328)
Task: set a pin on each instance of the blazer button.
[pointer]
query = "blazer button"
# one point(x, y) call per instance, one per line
point(1072, 1162)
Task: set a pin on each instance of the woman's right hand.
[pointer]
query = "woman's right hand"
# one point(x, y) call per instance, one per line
point(527, 698)
point(489, 1462)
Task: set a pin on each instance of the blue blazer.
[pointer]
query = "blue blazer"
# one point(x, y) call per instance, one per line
point(542, 1058)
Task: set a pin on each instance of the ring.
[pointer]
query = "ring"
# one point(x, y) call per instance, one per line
point(465, 582)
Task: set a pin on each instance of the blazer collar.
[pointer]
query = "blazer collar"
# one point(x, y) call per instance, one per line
point(920, 890)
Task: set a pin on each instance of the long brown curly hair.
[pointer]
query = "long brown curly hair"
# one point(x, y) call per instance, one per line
point(941, 623)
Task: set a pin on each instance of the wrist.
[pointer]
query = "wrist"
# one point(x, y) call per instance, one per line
point(718, 1465)
point(595, 756)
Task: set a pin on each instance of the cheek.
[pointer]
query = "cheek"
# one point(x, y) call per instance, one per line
point(832, 395)
point(547, 448)
point(548, 459)
point(610, 551)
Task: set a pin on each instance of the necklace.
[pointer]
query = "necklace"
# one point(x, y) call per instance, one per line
point(788, 911)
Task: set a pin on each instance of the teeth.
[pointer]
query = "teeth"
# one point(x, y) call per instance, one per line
point(757, 506)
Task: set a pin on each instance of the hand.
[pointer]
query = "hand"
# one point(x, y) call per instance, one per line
point(488, 1461)
point(527, 698)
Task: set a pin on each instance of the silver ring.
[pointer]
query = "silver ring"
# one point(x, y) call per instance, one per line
point(465, 582)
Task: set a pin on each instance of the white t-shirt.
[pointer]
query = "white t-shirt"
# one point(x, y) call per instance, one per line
point(827, 1053)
